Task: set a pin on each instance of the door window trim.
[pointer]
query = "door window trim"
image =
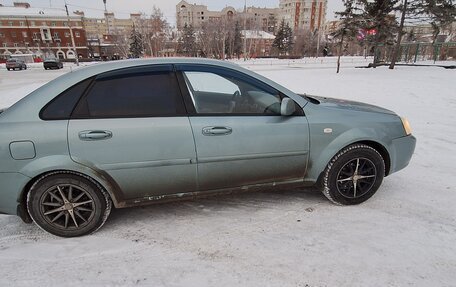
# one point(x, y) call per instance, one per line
point(80, 112)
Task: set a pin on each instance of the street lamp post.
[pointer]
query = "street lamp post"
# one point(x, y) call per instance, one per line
point(71, 35)
point(245, 31)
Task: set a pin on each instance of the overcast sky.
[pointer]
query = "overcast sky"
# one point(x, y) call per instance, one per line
point(122, 8)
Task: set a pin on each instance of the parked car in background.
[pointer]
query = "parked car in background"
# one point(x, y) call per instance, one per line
point(13, 64)
point(136, 132)
point(52, 63)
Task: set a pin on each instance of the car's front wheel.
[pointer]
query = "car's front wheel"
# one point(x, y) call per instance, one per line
point(353, 175)
point(68, 205)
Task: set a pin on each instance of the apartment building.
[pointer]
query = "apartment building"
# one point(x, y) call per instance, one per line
point(304, 14)
point(196, 15)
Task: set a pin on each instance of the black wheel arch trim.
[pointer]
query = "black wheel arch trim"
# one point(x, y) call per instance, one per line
point(373, 144)
point(109, 185)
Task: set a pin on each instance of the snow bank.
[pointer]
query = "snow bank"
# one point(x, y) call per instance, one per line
point(403, 236)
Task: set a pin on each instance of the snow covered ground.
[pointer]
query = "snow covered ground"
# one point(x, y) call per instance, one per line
point(404, 236)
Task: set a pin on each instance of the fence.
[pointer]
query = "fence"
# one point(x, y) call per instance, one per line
point(416, 52)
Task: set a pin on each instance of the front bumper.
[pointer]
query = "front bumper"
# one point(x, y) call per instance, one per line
point(11, 187)
point(403, 149)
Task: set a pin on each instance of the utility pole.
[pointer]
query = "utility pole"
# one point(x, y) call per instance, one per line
point(245, 31)
point(318, 42)
point(71, 35)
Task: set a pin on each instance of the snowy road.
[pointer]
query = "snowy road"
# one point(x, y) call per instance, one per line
point(404, 236)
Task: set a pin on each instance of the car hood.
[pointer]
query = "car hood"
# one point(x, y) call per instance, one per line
point(347, 105)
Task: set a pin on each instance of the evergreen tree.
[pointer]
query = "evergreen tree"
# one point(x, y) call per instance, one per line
point(439, 13)
point(188, 41)
point(288, 39)
point(237, 49)
point(278, 41)
point(284, 39)
point(379, 17)
point(136, 44)
point(404, 8)
point(351, 21)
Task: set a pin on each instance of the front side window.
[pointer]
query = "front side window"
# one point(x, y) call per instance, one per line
point(222, 94)
point(134, 95)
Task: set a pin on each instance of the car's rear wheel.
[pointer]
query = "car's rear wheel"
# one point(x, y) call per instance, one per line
point(353, 175)
point(68, 205)
point(8, 69)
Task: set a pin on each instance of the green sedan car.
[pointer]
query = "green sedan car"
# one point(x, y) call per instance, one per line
point(136, 132)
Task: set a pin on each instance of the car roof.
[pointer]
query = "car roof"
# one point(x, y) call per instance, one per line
point(27, 109)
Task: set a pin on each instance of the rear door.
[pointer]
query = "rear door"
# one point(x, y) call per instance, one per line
point(132, 124)
point(241, 138)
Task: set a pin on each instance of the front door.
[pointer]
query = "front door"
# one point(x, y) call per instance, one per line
point(132, 125)
point(241, 138)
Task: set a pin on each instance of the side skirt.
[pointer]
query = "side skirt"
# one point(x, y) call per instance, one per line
point(201, 194)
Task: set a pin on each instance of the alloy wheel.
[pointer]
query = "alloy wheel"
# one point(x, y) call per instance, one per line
point(356, 178)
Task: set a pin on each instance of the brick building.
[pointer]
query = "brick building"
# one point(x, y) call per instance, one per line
point(42, 32)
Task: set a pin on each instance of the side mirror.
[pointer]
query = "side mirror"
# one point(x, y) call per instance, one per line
point(288, 107)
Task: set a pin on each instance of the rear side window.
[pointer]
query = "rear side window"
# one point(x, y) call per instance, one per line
point(61, 107)
point(133, 95)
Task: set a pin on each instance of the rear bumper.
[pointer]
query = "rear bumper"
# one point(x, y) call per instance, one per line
point(11, 186)
point(403, 149)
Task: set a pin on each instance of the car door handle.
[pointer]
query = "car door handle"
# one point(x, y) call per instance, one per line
point(95, 135)
point(217, 131)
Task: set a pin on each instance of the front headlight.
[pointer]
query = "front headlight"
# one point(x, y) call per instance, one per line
point(407, 127)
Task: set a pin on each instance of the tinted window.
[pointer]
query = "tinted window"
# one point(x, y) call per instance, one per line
point(134, 95)
point(61, 107)
point(222, 94)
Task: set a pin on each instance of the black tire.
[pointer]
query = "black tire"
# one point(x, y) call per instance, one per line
point(353, 175)
point(68, 205)
point(8, 69)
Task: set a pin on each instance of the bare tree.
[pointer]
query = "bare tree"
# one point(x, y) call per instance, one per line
point(122, 43)
point(159, 29)
point(399, 34)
